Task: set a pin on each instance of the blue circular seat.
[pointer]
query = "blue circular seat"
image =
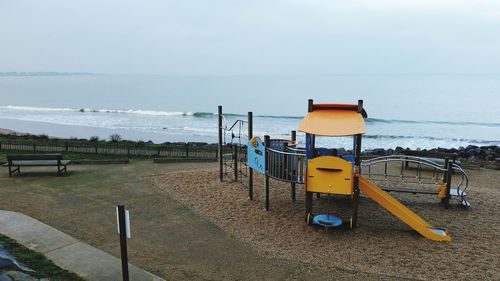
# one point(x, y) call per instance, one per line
point(327, 220)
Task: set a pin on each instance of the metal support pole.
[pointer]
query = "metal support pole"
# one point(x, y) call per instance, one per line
point(250, 170)
point(221, 164)
point(355, 197)
point(267, 143)
point(235, 162)
point(449, 174)
point(309, 205)
point(294, 163)
point(123, 241)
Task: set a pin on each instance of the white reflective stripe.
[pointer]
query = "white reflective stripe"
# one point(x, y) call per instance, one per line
point(117, 221)
point(127, 224)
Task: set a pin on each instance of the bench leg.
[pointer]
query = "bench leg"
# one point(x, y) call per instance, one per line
point(18, 170)
point(61, 170)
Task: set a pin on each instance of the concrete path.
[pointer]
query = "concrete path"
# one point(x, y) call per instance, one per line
point(66, 251)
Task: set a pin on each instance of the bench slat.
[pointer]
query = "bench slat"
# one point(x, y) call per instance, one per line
point(38, 163)
point(56, 156)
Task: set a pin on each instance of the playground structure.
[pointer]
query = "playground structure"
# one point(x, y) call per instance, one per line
point(327, 172)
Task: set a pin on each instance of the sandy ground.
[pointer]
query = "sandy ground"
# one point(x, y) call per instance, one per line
point(381, 244)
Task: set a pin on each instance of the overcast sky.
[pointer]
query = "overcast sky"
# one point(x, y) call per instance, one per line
point(250, 37)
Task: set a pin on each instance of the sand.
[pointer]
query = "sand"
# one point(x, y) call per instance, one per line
point(380, 245)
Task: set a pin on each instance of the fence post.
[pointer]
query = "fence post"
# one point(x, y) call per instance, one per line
point(0, 145)
point(187, 150)
point(128, 151)
point(96, 149)
point(66, 145)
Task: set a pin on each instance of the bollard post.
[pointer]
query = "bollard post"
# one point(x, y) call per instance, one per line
point(122, 226)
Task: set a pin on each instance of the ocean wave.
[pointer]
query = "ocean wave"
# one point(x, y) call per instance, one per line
point(83, 110)
point(429, 138)
point(144, 112)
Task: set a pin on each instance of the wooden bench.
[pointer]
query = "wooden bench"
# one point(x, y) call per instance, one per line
point(14, 162)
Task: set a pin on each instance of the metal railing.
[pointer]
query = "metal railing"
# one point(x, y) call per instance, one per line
point(421, 176)
point(288, 165)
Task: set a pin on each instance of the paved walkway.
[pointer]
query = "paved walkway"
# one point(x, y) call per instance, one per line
point(66, 251)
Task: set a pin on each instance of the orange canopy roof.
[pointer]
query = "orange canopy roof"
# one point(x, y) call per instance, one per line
point(333, 123)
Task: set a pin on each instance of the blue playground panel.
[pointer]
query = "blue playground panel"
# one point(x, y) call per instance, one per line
point(256, 155)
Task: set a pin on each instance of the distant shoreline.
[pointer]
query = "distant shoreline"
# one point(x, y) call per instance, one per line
point(43, 73)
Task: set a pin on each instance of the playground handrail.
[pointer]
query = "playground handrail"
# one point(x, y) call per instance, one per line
point(289, 168)
point(404, 159)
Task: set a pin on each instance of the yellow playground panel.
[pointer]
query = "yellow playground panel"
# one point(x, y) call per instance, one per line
point(329, 174)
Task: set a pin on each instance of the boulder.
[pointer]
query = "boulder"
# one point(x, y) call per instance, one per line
point(20, 276)
point(4, 277)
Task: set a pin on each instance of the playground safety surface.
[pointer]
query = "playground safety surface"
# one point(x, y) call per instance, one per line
point(186, 225)
point(380, 245)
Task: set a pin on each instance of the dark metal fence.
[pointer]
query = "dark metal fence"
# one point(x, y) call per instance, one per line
point(187, 151)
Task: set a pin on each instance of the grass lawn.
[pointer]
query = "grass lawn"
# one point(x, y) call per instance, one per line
point(44, 268)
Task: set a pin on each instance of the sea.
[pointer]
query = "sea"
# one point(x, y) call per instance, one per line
point(418, 111)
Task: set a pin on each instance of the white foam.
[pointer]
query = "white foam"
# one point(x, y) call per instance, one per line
point(119, 111)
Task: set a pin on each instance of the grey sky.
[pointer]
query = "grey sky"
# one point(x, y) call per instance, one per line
point(250, 37)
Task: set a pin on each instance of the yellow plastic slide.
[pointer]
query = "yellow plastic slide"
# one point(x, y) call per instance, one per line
point(400, 211)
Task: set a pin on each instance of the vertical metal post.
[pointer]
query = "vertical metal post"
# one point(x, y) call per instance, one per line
point(309, 206)
point(267, 143)
point(449, 174)
point(221, 165)
point(293, 163)
point(309, 155)
point(355, 197)
point(250, 170)
point(235, 162)
point(123, 241)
